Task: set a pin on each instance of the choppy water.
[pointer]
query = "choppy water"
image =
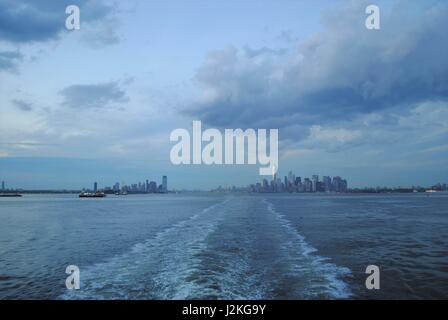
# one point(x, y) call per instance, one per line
point(224, 246)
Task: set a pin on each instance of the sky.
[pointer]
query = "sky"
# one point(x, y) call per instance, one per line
point(99, 103)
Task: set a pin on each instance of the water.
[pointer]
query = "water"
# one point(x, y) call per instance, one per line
point(213, 246)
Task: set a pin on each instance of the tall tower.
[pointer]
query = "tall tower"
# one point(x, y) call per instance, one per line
point(164, 184)
point(327, 183)
point(315, 182)
point(291, 177)
point(95, 186)
point(3, 185)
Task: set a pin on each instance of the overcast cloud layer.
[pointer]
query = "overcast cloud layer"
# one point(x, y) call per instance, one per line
point(367, 105)
point(335, 75)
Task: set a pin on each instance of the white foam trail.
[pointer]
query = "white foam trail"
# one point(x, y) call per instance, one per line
point(154, 269)
point(334, 286)
point(181, 263)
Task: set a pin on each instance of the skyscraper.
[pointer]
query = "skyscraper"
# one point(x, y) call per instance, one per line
point(308, 185)
point(327, 183)
point(3, 185)
point(344, 186)
point(95, 186)
point(164, 184)
point(291, 178)
point(265, 185)
point(315, 182)
point(337, 184)
point(152, 187)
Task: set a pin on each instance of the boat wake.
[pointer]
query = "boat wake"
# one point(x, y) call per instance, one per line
point(323, 278)
point(240, 248)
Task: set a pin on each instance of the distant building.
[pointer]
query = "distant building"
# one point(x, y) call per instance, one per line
point(291, 178)
point(327, 183)
point(300, 185)
point(152, 187)
point(337, 184)
point(165, 184)
point(95, 186)
point(308, 185)
point(3, 185)
point(344, 186)
point(265, 185)
point(315, 183)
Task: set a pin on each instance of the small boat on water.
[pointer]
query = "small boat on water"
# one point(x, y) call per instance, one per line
point(9, 195)
point(92, 195)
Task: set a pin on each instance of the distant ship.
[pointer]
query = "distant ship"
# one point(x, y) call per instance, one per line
point(9, 195)
point(121, 193)
point(92, 195)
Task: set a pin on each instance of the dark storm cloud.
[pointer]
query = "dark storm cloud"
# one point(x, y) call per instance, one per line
point(22, 105)
point(333, 76)
point(9, 60)
point(30, 20)
point(93, 96)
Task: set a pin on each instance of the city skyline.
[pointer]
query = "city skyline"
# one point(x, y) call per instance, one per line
point(290, 183)
point(148, 186)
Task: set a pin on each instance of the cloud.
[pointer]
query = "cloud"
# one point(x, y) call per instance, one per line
point(23, 21)
point(332, 139)
point(335, 76)
point(99, 35)
point(440, 148)
point(9, 60)
point(296, 152)
point(22, 105)
point(83, 96)
point(427, 115)
point(252, 53)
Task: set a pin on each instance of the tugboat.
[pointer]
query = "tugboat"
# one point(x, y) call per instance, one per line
point(92, 195)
